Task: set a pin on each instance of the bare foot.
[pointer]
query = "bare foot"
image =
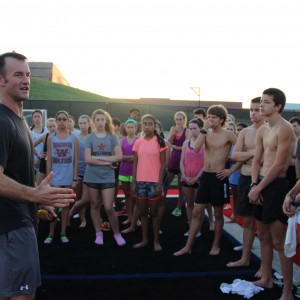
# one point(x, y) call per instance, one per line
point(214, 251)
point(185, 250)
point(258, 273)
point(83, 224)
point(128, 230)
point(140, 245)
point(157, 247)
point(212, 226)
point(238, 263)
point(126, 222)
point(264, 283)
point(289, 297)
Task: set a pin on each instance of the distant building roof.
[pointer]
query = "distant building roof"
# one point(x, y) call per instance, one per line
point(292, 106)
point(187, 103)
point(47, 71)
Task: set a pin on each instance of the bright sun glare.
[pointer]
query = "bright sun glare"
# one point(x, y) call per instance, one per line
point(232, 50)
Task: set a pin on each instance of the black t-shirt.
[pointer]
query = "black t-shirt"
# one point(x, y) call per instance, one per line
point(16, 158)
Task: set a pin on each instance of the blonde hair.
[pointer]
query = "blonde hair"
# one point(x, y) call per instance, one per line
point(182, 114)
point(108, 125)
point(50, 120)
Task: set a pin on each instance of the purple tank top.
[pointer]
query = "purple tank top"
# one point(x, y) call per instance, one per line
point(175, 155)
point(126, 168)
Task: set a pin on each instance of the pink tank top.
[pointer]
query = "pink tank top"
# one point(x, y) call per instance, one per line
point(193, 162)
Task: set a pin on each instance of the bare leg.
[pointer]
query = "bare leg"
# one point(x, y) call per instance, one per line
point(209, 210)
point(127, 191)
point(234, 215)
point(189, 195)
point(219, 223)
point(155, 223)
point(194, 227)
point(258, 273)
point(143, 208)
point(95, 208)
point(161, 209)
point(40, 178)
point(64, 219)
point(264, 235)
point(248, 237)
point(180, 195)
point(278, 231)
point(80, 205)
point(135, 219)
point(108, 201)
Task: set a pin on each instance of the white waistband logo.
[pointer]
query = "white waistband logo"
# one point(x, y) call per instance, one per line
point(24, 287)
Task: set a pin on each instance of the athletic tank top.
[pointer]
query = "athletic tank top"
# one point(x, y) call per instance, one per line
point(126, 168)
point(193, 161)
point(81, 161)
point(36, 136)
point(175, 155)
point(62, 153)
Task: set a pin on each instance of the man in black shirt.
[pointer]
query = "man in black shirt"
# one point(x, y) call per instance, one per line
point(19, 263)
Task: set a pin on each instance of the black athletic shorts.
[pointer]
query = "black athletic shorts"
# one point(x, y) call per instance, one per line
point(213, 190)
point(244, 207)
point(273, 197)
point(42, 166)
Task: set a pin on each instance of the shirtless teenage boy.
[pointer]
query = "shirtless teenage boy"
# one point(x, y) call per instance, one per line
point(275, 143)
point(217, 142)
point(244, 150)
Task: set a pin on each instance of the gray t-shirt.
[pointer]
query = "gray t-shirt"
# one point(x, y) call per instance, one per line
point(100, 147)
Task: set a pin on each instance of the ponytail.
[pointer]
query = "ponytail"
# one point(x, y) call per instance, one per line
point(160, 140)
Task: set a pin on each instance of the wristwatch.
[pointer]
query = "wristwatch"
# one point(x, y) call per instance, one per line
point(253, 184)
point(293, 201)
point(203, 131)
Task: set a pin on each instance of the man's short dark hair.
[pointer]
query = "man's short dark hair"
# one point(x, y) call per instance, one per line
point(256, 100)
point(278, 97)
point(199, 111)
point(295, 120)
point(134, 109)
point(116, 122)
point(6, 55)
point(244, 125)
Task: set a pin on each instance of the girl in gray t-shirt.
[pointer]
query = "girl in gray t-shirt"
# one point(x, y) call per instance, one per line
point(102, 152)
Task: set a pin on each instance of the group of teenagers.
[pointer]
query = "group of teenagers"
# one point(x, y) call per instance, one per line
point(263, 153)
point(137, 155)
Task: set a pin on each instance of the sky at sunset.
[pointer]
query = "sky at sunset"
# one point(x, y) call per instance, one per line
point(232, 50)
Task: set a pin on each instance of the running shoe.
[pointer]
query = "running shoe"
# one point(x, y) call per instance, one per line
point(64, 239)
point(121, 212)
point(238, 248)
point(176, 212)
point(297, 293)
point(278, 279)
point(105, 226)
point(198, 234)
point(48, 240)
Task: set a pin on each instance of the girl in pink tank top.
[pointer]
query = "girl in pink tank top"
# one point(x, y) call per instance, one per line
point(191, 165)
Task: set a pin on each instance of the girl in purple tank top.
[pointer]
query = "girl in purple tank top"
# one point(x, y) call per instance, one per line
point(126, 166)
point(178, 134)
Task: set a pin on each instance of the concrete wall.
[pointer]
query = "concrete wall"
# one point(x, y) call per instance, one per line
point(47, 71)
